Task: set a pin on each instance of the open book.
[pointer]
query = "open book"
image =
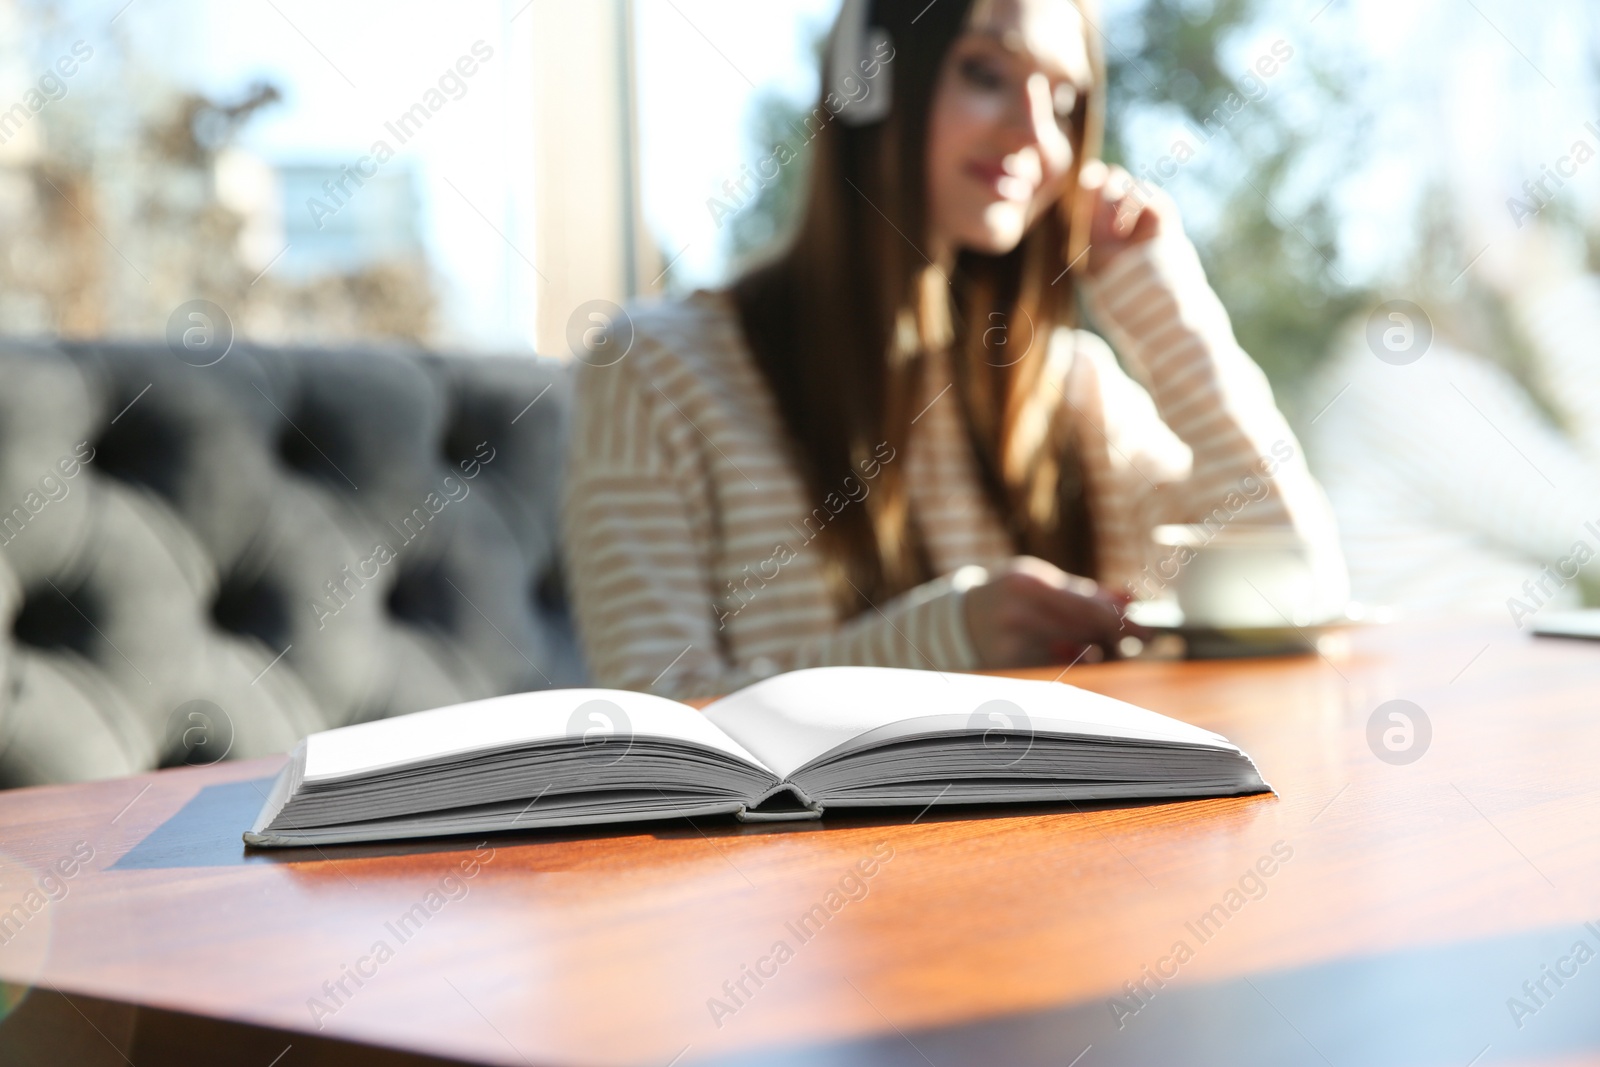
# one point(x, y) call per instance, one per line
point(788, 747)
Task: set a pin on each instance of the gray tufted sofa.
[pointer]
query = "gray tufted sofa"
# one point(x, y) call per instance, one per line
point(199, 561)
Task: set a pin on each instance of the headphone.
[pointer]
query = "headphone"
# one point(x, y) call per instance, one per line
point(856, 45)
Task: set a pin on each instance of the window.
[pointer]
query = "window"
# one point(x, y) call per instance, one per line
point(321, 171)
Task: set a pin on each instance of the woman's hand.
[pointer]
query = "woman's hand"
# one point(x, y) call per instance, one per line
point(1033, 614)
point(1124, 214)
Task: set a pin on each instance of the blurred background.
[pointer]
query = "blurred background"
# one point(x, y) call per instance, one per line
point(258, 155)
point(186, 155)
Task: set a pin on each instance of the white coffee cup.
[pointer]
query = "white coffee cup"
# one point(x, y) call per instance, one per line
point(1242, 576)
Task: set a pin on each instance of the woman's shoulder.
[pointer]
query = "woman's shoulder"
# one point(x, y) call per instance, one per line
point(689, 350)
point(1079, 357)
point(699, 332)
point(1089, 376)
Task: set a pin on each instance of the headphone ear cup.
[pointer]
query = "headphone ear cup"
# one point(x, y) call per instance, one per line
point(874, 107)
point(857, 48)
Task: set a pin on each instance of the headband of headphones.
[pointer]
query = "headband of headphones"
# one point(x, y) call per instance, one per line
point(858, 47)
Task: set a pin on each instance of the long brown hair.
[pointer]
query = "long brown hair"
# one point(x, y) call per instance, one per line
point(841, 321)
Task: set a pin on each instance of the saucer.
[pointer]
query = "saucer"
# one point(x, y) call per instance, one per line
point(1215, 641)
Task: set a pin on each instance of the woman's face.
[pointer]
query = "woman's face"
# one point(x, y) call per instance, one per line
point(1000, 134)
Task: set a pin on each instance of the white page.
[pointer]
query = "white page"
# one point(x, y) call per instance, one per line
point(502, 722)
point(791, 719)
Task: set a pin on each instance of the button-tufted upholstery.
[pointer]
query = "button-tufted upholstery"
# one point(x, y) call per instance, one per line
point(298, 538)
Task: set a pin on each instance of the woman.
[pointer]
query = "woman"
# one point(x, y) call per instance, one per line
point(887, 445)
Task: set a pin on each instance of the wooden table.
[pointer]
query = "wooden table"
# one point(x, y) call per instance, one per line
point(1370, 913)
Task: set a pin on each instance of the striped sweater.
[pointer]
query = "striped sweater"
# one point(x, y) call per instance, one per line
point(689, 532)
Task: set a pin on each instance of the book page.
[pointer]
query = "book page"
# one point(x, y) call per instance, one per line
point(507, 722)
point(791, 719)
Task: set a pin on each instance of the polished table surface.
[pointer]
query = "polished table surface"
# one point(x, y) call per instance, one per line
point(1372, 911)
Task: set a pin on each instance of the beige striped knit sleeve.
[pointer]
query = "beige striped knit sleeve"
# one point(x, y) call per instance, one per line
point(1161, 315)
point(650, 499)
